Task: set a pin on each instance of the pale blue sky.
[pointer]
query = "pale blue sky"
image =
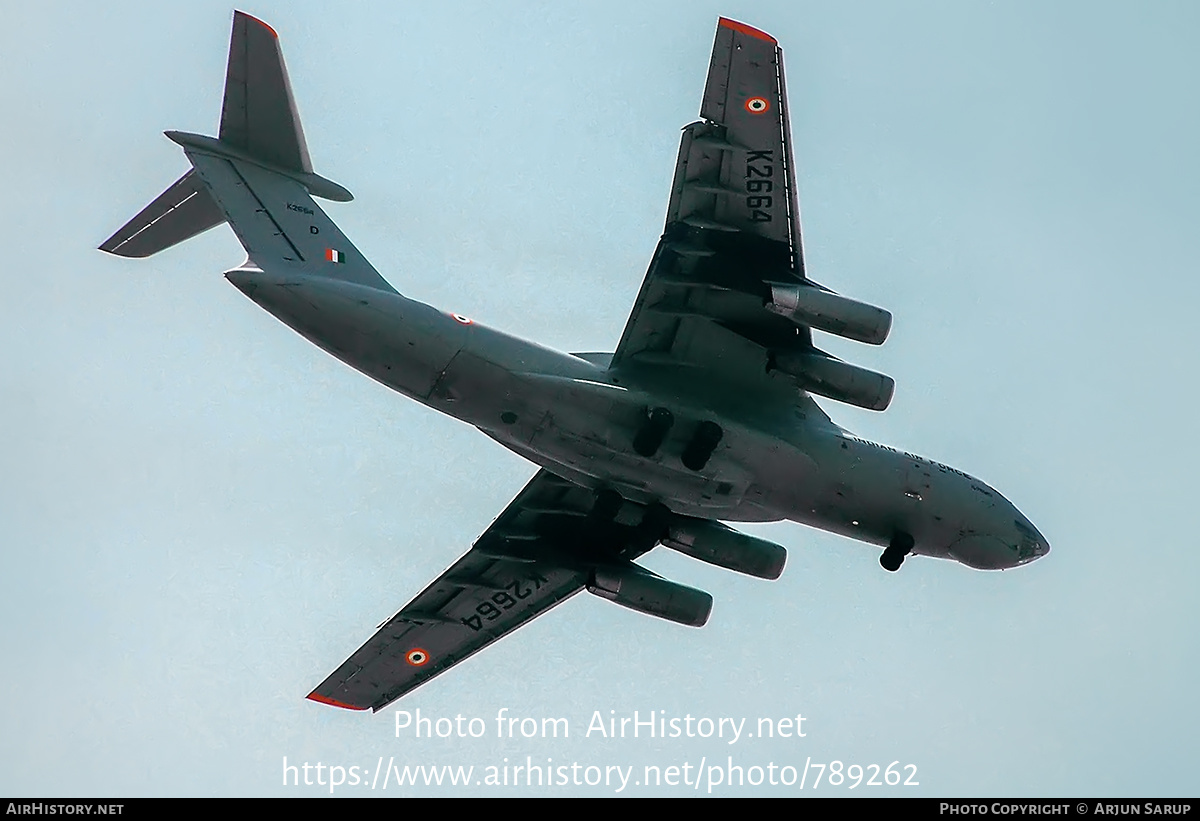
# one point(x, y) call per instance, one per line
point(202, 515)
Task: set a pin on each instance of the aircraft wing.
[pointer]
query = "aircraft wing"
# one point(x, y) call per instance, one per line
point(733, 225)
point(534, 556)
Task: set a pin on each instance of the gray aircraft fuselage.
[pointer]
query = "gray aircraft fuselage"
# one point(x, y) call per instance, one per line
point(780, 457)
point(703, 412)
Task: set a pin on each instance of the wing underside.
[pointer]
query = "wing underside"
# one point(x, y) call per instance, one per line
point(539, 552)
point(726, 293)
point(732, 224)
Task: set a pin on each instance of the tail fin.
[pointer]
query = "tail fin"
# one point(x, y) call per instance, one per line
point(257, 176)
point(258, 115)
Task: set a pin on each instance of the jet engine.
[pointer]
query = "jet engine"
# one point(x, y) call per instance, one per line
point(634, 587)
point(827, 311)
point(823, 375)
point(723, 546)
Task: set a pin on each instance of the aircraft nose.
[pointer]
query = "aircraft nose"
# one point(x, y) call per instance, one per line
point(1031, 543)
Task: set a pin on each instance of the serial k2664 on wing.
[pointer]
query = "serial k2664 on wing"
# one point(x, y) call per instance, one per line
point(702, 414)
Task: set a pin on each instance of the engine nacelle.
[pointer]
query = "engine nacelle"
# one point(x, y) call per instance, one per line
point(835, 379)
point(723, 546)
point(638, 589)
point(827, 311)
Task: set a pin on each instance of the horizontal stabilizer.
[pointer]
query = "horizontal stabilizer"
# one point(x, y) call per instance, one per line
point(182, 211)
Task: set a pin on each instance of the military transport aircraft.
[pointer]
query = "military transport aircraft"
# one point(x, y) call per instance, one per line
point(702, 413)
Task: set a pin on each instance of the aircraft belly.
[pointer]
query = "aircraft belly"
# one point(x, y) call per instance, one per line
point(869, 492)
point(685, 495)
point(402, 343)
point(583, 430)
point(982, 552)
point(560, 413)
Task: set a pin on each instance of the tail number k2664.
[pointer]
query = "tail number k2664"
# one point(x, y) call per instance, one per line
point(493, 607)
point(760, 167)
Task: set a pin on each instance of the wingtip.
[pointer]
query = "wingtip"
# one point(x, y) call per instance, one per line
point(748, 30)
point(320, 699)
point(112, 249)
point(254, 19)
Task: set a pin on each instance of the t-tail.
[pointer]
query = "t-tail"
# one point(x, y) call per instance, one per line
point(256, 175)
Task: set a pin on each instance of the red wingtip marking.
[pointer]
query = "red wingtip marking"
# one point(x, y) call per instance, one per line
point(332, 702)
point(260, 22)
point(745, 29)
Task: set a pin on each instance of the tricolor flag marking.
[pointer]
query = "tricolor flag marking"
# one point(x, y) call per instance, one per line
point(332, 255)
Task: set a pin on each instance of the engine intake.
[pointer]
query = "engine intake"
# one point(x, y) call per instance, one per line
point(827, 311)
point(637, 588)
point(723, 546)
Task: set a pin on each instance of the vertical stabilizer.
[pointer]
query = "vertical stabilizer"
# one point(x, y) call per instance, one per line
point(256, 175)
point(259, 114)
